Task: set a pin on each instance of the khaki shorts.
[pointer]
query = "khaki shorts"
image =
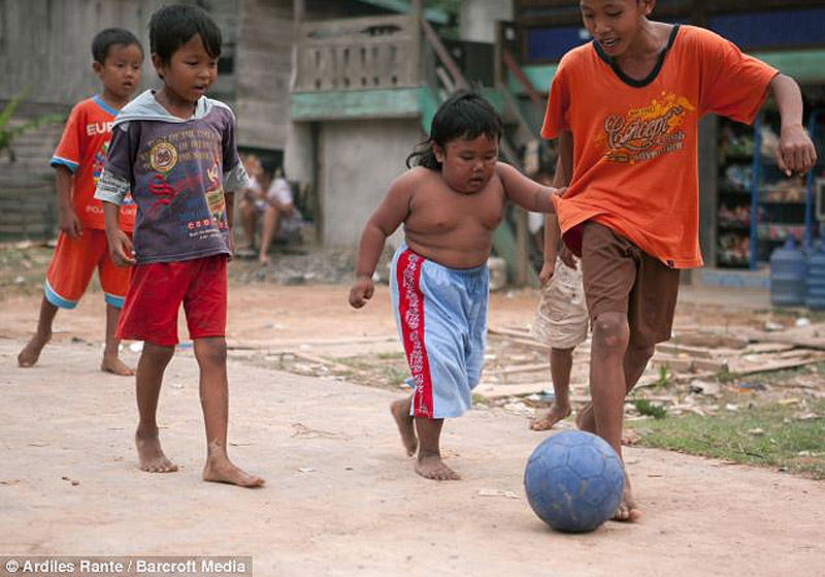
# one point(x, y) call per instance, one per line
point(621, 278)
point(561, 318)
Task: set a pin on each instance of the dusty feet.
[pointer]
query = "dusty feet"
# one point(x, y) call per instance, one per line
point(546, 421)
point(628, 511)
point(31, 352)
point(151, 456)
point(112, 364)
point(432, 467)
point(219, 469)
point(585, 420)
point(401, 413)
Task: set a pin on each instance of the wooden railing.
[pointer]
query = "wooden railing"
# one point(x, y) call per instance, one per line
point(358, 54)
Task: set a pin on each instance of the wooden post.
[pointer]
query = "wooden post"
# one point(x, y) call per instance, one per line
point(298, 15)
point(498, 58)
point(417, 14)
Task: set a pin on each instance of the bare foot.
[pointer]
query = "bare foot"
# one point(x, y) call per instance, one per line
point(586, 420)
point(219, 469)
point(31, 352)
point(627, 511)
point(401, 413)
point(151, 456)
point(263, 260)
point(432, 467)
point(550, 418)
point(113, 364)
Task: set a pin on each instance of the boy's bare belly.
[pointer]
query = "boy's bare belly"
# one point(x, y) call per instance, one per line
point(459, 249)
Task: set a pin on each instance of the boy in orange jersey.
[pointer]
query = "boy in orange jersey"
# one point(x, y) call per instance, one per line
point(625, 108)
point(78, 161)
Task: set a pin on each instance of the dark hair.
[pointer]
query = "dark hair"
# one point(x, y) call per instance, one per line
point(109, 37)
point(463, 115)
point(173, 26)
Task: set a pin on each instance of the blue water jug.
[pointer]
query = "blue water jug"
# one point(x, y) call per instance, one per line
point(788, 272)
point(815, 297)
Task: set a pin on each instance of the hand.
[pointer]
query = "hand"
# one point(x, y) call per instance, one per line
point(120, 249)
point(361, 291)
point(567, 257)
point(795, 153)
point(560, 191)
point(546, 273)
point(68, 223)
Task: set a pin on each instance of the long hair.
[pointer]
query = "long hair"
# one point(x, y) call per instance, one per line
point(464, 115)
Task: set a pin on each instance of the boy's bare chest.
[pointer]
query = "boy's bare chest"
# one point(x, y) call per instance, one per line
point(448, 211)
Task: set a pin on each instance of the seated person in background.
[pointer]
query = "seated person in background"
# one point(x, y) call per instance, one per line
point(279, 212)
point(251, 204)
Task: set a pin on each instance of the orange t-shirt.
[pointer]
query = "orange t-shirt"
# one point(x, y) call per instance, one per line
point(635, 143)
point(82, 149)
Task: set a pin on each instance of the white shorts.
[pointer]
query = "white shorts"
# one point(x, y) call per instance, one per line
point(561, 320)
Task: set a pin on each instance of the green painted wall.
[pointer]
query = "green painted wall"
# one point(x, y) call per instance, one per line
point(355, 104)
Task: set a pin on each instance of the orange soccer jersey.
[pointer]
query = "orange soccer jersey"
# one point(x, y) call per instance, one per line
point(635, 141)
point(82, 149)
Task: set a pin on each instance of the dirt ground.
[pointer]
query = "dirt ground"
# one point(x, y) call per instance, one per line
point(341, 497)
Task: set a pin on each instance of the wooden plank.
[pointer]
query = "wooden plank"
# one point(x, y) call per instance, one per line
point(297, 342)
point(513, 370)
point(710, 340)
point(508, 332)
point(689, 364)
point(670, 348)
point(811, 339)
point(781, 365)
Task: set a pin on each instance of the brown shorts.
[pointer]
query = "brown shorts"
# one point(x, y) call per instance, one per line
point(621, 278)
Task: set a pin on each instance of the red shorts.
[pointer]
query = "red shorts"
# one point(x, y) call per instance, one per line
point(73, 263)
point(156, 292)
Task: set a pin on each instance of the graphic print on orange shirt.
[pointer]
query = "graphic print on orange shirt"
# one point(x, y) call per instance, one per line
point(645, 133)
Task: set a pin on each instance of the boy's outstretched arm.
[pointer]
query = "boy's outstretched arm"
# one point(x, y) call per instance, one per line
point(524, 191)
point(120, 246)
point(796, 152)
point(67, 220)
point(383, 222)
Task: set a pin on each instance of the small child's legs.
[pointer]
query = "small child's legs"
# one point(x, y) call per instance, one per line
point(561, 365)
point(150, 369)
point(210, 353)
point(111, 362)
point(428, 463)
point(31, 352)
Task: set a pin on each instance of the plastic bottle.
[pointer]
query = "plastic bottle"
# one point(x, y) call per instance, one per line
point(788, 275)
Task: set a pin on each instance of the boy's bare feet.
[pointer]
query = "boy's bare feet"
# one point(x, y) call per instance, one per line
point(547, 420)
point(151, 456)
point(432, 467)
point(219, 469)
point(31, 352)
point(627, 511)
point(585, 420)
point(113, 364)
point(401, 413)
point(263, 260)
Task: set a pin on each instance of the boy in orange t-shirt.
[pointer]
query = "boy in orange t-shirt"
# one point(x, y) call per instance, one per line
point(625, 108)
point(78, 160)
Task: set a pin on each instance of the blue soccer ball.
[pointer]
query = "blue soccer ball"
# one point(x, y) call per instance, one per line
point(574, 481)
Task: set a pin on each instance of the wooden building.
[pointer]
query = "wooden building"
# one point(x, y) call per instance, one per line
point(45, 53)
